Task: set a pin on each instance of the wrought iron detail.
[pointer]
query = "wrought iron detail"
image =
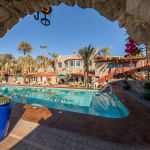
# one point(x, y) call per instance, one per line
point(44, 20)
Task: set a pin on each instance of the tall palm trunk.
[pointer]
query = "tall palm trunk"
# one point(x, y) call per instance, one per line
point(24, 73)
point(45, 68)
point(86, 74)
point(24, 79)
point(55, 66)
point(86, 79)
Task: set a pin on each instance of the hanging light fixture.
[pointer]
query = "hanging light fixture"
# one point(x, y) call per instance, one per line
point(44, 20)
point(47, 10)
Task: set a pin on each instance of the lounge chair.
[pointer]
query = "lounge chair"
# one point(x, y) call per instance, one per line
point(91, 85)
point(77, 84)
point(71, 84)
point(17, 82)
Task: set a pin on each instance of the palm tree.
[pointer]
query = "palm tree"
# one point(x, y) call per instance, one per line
point(17, 68)
point(55, 57)
point(10, 66)
point(87, 55)
point(105, 52)
point(42, 62)
point(5, 60)
point(26, 65)
point(33, 64)
point(29, 64)
point(43, 47)
point(25, 48)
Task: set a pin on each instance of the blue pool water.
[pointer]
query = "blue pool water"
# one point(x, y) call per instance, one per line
point(81, 101)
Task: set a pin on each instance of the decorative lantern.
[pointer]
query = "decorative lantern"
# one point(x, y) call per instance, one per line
point(44, 20)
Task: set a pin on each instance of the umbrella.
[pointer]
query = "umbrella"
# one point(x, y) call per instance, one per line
point(60, 75)
point(18, 76)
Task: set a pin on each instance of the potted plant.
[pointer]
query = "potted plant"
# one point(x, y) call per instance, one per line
point(146, 92)
point(4, 116)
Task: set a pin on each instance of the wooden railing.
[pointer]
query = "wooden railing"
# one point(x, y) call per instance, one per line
point(117, 71)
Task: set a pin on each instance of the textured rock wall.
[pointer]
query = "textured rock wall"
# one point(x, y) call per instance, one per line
point(134, 15)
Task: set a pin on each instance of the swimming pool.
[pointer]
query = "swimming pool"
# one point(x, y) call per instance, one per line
point(74, 100)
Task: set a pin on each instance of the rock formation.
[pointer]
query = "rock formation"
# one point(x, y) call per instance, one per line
point(134, 15)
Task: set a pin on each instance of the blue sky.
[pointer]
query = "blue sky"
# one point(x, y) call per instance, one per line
point(70, 28)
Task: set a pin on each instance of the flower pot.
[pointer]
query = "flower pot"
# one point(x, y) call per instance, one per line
point(4, 116)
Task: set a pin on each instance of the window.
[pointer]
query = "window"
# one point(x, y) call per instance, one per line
point(72, 63)
point(77, 63)
point(59, 65)
point(66, 64)
point(119, 65)
point(53, 65)
point(109, 65)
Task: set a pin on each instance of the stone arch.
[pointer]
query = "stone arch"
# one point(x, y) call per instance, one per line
point(131, 14)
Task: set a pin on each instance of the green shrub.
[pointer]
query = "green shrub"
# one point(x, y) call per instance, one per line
point(4, 99)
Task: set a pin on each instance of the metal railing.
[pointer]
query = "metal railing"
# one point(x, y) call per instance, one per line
point(110, 75)
point(105, 87)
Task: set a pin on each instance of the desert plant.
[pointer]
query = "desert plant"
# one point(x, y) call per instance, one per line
point(4, 99)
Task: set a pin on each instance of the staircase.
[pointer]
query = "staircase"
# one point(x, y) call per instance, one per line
point(117, 71)
point(102, 69)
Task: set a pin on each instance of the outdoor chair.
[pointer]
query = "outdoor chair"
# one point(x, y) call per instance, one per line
point(71, 84)
point(91, 85)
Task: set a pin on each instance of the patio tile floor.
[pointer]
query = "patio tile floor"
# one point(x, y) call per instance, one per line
point(40, 137)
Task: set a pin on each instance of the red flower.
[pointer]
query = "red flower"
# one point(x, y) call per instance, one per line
point(131, 48)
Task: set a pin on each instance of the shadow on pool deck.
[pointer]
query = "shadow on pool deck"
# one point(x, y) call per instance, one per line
point(131, 130)
point(16, 114)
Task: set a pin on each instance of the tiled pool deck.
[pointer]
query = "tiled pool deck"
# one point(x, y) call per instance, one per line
point(43, 129)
